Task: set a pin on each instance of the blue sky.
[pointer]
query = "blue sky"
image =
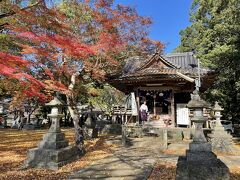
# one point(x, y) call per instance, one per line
point(169, 17)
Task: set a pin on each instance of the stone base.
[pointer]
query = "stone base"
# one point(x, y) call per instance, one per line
point(52, 152)
point(222, 142)
point(200, 147)
point(132, 131)
point(215, 170)
point(53, 141)
point(201, 163)
point(200, 157)
point(50, 158)
point(115, 129)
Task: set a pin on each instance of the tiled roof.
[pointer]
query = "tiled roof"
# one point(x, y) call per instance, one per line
point(182, 60)
point(151, 71)
point(156, 71)
point(164, 66)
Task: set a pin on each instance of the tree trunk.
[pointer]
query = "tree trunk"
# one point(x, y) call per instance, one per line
point(29, 118)
point(72, 107)
point(79, 138)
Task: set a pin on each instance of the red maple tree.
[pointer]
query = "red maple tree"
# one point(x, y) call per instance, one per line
point(59, 45)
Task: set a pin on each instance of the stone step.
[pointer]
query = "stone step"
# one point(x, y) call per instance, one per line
point(158, 123)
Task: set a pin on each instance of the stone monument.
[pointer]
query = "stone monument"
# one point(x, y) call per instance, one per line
point(53, 151)
point(221, 140)
point(200, 162)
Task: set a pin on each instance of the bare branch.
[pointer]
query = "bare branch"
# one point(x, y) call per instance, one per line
point(4, 15)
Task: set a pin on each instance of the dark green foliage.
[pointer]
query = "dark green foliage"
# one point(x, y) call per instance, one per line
point(215, 36)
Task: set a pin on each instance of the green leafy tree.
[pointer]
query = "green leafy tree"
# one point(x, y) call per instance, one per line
point(106, 97)
point(215, 36)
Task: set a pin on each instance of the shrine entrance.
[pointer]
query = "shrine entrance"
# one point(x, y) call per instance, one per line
point(160, 105)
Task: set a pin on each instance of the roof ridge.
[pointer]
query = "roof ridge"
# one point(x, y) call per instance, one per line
point(179, 53)
point(152, 58)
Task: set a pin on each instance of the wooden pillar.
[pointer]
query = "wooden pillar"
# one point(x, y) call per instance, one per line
point(173, 110)
point(154, 105)
point(138, 105)
point(122, 117)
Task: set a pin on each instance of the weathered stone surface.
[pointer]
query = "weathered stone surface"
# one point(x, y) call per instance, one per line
point(220, 139)
point(216, 170)
point(200, 157)
point(222, 142)
point(200, 147)
point(50, 158)
point(111, 129)
point(53, 145)
point(133, 131)
point(53, 151)
point(200, 162)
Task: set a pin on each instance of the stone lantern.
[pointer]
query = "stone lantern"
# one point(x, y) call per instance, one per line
point(221, 140)
point(196, 104)
point(217, 113)
point(55, 116)
point(53, 151)
point(200, 162)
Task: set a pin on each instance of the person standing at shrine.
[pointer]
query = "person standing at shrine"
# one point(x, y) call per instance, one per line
point(143, 111)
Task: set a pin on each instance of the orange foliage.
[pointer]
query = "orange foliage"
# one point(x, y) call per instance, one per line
point(57, 45)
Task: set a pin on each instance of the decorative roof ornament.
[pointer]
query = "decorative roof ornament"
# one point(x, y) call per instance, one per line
point(157, 50)
point(217, 107)
point(196, 101)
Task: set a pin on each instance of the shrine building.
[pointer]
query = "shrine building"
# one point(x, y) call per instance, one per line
point(165, 83)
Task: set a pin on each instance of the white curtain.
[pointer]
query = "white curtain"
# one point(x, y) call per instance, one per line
point(134, 105)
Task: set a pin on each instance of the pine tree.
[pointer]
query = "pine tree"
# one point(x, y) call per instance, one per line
point(215, 36)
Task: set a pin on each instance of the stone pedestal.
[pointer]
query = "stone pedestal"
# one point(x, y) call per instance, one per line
point(201, 163)
point(209, 170)
point(221, 140)
point(53, 151)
